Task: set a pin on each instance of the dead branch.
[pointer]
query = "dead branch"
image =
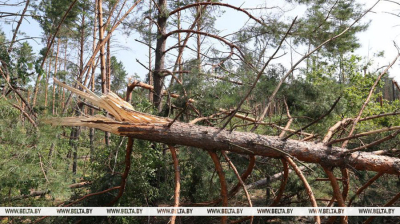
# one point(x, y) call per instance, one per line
point(363, 134)
point(42, 168)
point(247, 118)
point(244, 176)
point(81, 184)
point(196, 120)
point(335, 127)
point(306, 185)
point(222, 78)
point(385, 152)
point(377, 142)
point(32, 194)
point(379, 116)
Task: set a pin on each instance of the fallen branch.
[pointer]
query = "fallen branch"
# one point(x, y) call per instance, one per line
point(177, 181)
point(363, 134)
point(377, 142)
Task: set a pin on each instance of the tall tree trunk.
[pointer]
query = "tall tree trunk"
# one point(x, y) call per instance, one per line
point(82, 43)
point(93, 67)
point(150, 77)
point(160, 56)
point(180, 45)
point(108, 73)
point(62, 90)
point(75, 133)
point(102, 51)
point(108, 77)
point(47, 80)
point(103, 71)
point(36, 88)
point(55, 75)
point(198, 11)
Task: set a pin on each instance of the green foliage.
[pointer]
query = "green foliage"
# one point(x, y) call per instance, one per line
point(18, 63)
point(49, 16)
point(118, 75)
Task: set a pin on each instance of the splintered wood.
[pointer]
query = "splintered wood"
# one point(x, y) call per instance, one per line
point(112, 103)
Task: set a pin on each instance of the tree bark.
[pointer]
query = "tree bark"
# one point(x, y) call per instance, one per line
point(158, 77)
point(55, 75)
point(102, 51)
point(150, 76)
point(47, 81)
point(239, 142)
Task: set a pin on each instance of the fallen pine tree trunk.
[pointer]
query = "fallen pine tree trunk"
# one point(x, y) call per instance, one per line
point(210, 138)
point(128, 122)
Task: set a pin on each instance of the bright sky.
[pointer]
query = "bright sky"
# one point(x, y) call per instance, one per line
point(384, 29)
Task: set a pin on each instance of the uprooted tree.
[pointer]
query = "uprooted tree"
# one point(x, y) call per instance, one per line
point(265, 112)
